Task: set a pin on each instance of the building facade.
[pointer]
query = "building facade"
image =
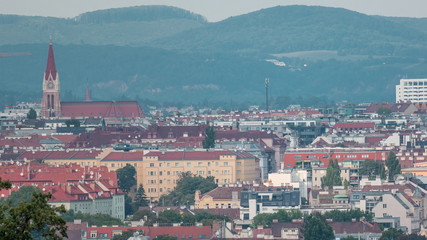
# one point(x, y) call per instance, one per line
point(160, 171)
point(412, 90)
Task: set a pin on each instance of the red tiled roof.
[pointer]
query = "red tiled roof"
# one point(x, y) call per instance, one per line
point(196, 155)
point(394, 107)
point(105, 109)
point(66, 138)
point(124, 156)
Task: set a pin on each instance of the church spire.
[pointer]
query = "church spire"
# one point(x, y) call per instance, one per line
point(50, 66)
point(87, 94)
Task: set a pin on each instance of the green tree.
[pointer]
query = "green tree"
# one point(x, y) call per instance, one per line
point(30, 218)
point(32, 114)
point(165, 237)
point(126, 177)
point(391, 234)
point(125, 235)
point(185, 188)
point(24, 194)
point(372, 168)
point(208, 218)
point(72, 122)
point(209, 141)
point(383, 111)
point(92, 219)
point(266, 219)
point(315, 227)
point(333, 176)
point(143, 214)
point(349, 238)
point(347, 216)
point(140, 197)
point(393, 165)
point(412, 236)
point(171, 216)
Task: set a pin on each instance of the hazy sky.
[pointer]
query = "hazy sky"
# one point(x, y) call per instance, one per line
point(213, 10)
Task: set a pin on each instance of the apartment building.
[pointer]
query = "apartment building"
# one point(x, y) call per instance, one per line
point(160, 171)
point(412, 90)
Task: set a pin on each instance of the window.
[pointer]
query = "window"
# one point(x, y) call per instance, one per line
point(200, 164)
point(93, 235)
point(176, 164)
point(225, 163)
point(297, 156)
point(151, 164)
point(239, 164)
point(189, 164)
point(384, 205)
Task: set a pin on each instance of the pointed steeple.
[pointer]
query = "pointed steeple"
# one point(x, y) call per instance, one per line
point(50, 67)
point(87, 94)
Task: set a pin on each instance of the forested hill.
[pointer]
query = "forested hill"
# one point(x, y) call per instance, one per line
point(138, 13)
point(122, 26)
point(161, 54)
point(301, 28)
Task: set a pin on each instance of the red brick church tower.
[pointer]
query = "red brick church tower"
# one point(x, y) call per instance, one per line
point(51, 101)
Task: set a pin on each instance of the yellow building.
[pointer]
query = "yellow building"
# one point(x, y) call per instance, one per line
point(160, 171)
point(105, 157)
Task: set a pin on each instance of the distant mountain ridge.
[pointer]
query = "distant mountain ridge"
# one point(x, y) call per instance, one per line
point(138, 13)
point(163, 54)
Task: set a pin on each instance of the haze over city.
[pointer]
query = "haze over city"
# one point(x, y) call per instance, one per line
point(222, 120)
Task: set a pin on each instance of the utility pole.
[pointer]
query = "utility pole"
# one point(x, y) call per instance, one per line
point(267, 84)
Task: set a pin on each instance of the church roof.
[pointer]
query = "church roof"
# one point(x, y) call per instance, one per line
point(105, 109)
point(50, 66)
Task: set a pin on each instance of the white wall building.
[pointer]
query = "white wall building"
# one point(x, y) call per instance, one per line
point(413, 90)
point(297, 178)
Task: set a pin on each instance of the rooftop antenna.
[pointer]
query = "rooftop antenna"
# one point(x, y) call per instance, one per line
point(267, 85)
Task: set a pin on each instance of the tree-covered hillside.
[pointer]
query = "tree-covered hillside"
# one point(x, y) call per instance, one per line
point(301, 28)
point(165, 54)
point(122, 26)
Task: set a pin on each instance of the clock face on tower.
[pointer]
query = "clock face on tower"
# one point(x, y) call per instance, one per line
point(50, 85)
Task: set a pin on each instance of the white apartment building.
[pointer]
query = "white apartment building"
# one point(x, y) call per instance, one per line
point(413, 90)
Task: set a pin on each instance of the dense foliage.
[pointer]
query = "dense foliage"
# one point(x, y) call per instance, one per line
point(315, 227)
point(32, 114)
point(209, 141)
point(347, 216)
point(186, 186)
point(391, 234)
point(30, 218)
point(333, 175)
point(266, 219)
point(372, 168)
point(167, 217)
point(126, 177)
point(92, 219)
point(393, 165)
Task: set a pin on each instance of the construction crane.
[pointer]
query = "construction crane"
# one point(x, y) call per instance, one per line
point(14, 54)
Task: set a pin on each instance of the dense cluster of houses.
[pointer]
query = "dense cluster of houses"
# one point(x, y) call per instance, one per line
point(262, 162)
